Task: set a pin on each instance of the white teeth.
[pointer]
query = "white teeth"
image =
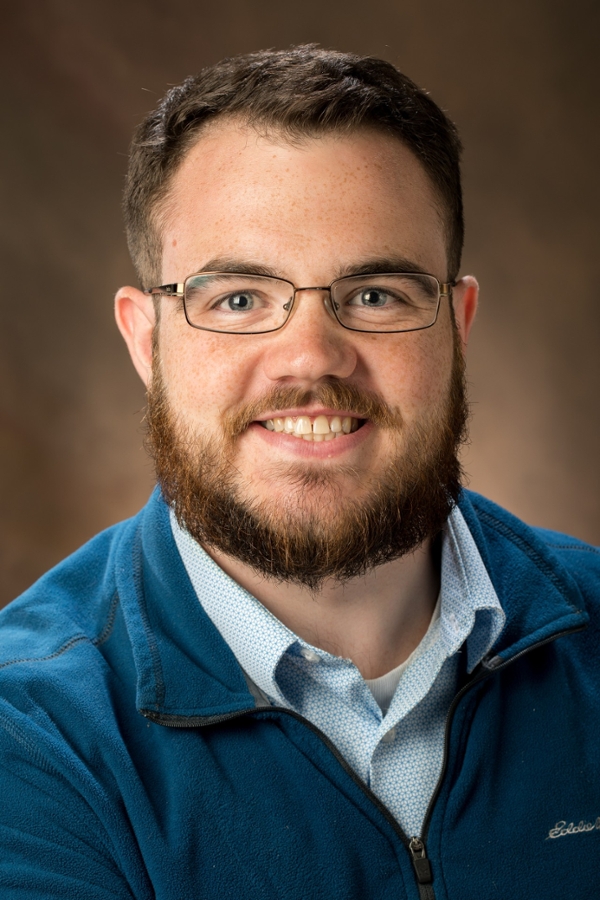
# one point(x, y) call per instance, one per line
point(303, 425)
point(321, 425)
point(320, 429)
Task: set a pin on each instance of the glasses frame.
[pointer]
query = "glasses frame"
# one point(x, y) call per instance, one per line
point(177, 289)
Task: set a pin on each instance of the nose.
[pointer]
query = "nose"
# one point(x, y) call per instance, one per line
point(312, 344)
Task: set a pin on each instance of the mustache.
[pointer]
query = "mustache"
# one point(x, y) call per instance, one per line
point(335, 395)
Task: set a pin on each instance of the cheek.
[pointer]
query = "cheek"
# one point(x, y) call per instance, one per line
point(203, 372)
point(413, 371)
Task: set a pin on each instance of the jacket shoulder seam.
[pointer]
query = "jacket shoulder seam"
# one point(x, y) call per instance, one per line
point(76, 639)
point(542, 565)
point(110, 622)
point(585, 548)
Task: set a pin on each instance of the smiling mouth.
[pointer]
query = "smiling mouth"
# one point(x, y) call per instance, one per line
point(319, 428)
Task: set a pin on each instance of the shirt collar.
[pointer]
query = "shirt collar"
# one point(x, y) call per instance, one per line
point(257, 638)
point(470, 609)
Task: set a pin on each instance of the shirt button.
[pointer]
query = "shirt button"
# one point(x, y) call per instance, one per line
point(309, 654)
point(389, 736)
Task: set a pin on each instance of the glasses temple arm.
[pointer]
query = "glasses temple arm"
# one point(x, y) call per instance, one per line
point(171, 290)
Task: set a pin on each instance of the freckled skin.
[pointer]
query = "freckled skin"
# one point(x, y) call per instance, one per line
point(307, 212)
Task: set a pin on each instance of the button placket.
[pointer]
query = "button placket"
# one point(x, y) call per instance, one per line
point(389, 736)
point(309, 654)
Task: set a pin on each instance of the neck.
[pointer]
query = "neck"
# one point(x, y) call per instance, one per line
point(376, 620)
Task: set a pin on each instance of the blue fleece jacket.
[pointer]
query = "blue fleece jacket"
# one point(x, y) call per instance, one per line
point(134, 761)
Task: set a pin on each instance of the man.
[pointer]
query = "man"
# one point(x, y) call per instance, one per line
point(312, 666)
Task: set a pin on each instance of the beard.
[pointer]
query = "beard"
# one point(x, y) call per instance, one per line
point(317, 532)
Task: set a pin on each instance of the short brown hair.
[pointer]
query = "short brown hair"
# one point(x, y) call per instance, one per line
point(299, 92)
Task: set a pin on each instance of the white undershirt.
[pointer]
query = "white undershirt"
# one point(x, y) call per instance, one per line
point(384, 687)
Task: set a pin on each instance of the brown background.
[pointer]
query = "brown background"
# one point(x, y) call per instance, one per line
point(521, 79)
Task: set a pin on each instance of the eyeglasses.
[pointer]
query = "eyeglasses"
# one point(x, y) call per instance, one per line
point(256, 304)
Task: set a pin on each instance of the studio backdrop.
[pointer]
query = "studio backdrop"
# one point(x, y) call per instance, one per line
point(520, 78)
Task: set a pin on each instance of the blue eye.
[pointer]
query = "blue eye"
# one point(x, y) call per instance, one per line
point(373, 298)
point(239, 302)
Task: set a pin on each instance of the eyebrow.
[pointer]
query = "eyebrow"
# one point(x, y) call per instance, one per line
point(233, 266)
point(378, 265)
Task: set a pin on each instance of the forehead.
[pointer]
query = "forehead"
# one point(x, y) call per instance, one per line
point(325, 201)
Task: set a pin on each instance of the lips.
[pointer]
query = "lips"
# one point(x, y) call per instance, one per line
point(317, 428)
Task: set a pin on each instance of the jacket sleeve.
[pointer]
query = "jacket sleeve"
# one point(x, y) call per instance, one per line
point(53, 843)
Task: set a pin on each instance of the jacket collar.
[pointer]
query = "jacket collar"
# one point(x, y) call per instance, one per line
point(537, 592)
point(186, 669)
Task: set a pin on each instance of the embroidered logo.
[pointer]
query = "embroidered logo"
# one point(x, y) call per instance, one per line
point(561, 828)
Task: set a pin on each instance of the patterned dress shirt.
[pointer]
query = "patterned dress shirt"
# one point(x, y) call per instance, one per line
point(397, 752)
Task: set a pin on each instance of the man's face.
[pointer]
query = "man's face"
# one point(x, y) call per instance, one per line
point(308, 213)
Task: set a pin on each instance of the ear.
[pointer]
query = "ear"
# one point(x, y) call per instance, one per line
point(136, 318)
point(465, 296)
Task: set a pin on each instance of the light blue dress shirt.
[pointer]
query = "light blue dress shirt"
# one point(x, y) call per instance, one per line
point(398, 754)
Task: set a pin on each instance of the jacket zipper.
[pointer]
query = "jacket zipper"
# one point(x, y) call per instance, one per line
point(416, 846)
point(422, 868)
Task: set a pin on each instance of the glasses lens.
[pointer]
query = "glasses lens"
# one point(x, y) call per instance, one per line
point(386, 302)
point(245, 304)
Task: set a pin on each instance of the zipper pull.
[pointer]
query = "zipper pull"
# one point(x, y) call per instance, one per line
point(422, 868)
